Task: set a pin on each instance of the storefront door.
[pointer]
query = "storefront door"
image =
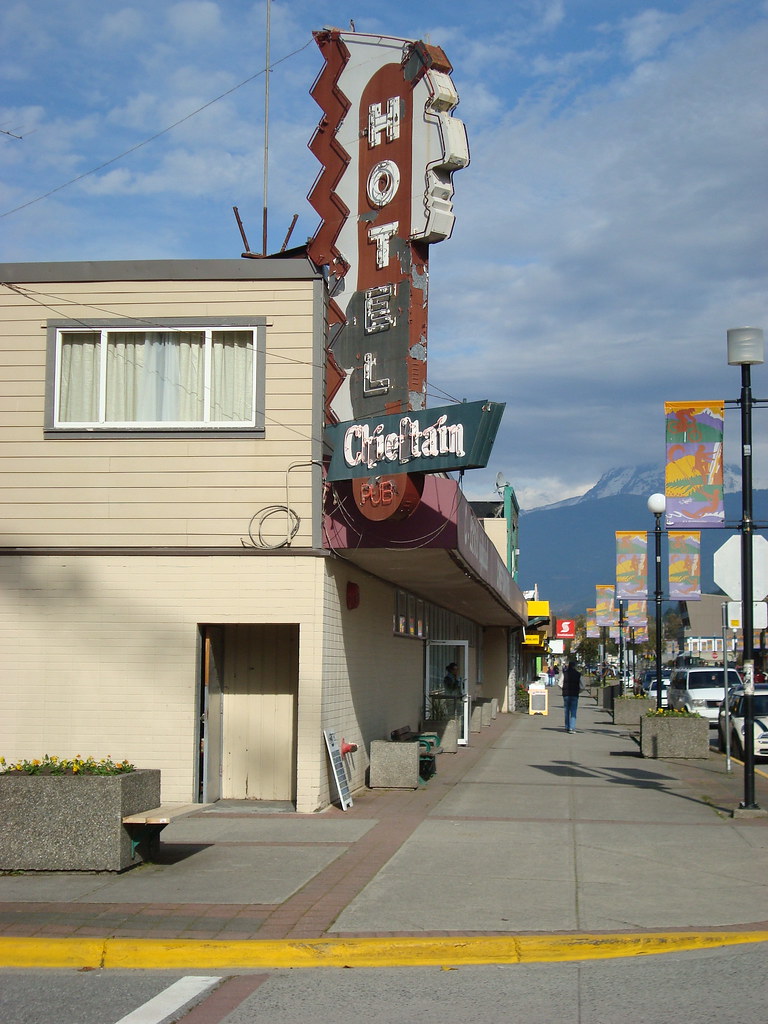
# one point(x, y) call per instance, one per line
point(439, 654)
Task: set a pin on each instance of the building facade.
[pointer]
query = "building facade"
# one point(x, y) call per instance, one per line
point(180, 585)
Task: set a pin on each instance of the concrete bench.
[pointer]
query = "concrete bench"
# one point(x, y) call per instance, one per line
point(146, 826)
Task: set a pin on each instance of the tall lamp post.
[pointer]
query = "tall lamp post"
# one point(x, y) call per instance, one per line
point(746, 349)
point(657, 504)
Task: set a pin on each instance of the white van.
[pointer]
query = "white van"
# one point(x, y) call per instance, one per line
point(701, 690)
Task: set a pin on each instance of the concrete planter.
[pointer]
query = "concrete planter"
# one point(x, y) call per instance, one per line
point(630, 710)
point(393, 765)
point(447, 730)
point(673, 736)
point(72, 822)
point(609, 694)
point(486, 710)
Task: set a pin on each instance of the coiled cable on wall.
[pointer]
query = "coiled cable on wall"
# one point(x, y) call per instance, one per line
point(292, 519)
point(260, 518)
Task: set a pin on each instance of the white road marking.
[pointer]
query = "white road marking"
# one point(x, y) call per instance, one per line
point(172, 999)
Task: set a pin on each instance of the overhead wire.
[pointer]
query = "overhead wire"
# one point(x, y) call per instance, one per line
point(438, 392)
point(157, 135)
point(34, 296)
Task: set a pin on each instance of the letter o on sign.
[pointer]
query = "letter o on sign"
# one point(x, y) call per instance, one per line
point(383, 183)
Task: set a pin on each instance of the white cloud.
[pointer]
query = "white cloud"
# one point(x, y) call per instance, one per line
point(120, 27)
point(647, 32)
point(195, 21)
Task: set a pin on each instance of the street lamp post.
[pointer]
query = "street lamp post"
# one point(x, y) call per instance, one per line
point(746, 349)
point(657, 504)
point(622, 673)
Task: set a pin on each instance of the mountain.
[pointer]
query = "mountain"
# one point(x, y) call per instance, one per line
point(641, 480)
point(569, 547)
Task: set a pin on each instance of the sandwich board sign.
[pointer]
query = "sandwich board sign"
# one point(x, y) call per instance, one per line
point(339, 771)
point(537, 700)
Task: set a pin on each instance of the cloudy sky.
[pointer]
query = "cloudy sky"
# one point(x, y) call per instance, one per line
point(610, 227)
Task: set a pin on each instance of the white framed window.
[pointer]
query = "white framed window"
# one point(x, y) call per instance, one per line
point(170, 376)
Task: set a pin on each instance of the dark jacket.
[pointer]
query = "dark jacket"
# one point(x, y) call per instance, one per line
point(571, 682)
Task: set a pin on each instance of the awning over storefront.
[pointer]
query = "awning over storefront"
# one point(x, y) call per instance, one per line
point(537, 629)
point(440, 553)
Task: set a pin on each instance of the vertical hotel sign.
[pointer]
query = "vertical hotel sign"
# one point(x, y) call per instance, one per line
point(389, 148)
point(694, 469)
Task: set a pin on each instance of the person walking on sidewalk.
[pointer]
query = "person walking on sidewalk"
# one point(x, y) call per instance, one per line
point(571, 691)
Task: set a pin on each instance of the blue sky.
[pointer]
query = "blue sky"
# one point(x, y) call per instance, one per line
point(610, 227)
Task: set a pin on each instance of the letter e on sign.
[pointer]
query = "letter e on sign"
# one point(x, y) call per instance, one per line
point(565, 629)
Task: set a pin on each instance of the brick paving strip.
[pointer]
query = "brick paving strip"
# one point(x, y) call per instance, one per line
point(308, 913)
point(311, 911)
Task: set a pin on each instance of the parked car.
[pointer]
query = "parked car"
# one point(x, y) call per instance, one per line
point(649, 677)
point(736, 724)
point(649, 689)
point(701, 690)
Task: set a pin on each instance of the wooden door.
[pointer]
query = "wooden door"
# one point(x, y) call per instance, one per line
point(260, 695)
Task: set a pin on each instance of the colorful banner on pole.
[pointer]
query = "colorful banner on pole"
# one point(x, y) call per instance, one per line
point(694, 470)
point(605, 613)
point(685, 565)
point(636, 613)
point(631, 564)
point(593, 630)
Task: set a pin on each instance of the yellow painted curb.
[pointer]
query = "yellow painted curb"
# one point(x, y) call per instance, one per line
point(189, 954)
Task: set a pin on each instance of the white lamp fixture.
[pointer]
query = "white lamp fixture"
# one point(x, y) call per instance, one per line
point(657, 503)
point(746, 346)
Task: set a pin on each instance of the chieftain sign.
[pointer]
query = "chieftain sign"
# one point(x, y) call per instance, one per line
point(433, 440)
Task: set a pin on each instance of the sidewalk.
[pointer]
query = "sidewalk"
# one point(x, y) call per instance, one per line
point(527, 832)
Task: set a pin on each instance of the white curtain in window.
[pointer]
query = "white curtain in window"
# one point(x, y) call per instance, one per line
point(155, 377)
point(232, 377)
point(79, 377)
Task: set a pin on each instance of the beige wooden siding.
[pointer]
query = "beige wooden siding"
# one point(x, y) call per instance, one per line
point(163, 491)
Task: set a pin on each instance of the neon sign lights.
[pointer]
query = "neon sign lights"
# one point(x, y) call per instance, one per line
point(431, 440)
point(366, 447)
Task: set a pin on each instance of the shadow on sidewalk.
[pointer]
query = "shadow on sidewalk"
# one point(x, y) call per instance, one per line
point(637, 778)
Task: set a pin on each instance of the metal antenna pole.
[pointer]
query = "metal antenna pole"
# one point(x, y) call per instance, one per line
point(264, 248)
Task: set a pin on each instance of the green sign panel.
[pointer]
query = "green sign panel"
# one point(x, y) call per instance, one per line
point(428, 441)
